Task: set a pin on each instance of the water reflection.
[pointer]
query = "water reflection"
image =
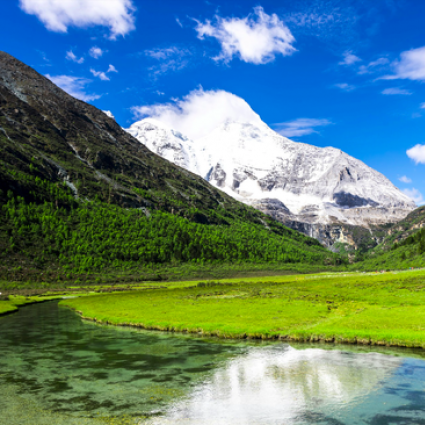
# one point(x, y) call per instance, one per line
point(57, 369)
point(283, 385)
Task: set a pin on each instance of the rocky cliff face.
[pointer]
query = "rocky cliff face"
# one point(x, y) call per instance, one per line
point(314, 190)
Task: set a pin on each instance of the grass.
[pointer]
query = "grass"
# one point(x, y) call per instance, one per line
point(13, 302)
point(373, 308)
point(7, 307)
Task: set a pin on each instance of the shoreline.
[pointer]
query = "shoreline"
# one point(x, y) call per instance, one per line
point(255, 336)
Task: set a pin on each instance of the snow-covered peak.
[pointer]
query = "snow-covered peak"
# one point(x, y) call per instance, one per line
point(256, 165)
point(166, 142)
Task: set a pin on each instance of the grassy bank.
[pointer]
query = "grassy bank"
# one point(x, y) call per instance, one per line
point(11, 303)
point(378, 309)
point(7, 307)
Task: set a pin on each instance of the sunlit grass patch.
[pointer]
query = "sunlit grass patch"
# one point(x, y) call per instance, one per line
point(382, 309)
point(7, 307)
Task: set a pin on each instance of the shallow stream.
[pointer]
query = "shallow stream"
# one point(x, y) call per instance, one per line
point(57, 369)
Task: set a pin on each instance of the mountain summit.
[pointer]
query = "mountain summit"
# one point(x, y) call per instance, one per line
point(289, 180)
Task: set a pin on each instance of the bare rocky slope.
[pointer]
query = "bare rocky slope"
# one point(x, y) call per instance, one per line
point(322, 192)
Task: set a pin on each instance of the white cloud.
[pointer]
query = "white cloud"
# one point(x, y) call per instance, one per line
point(374, 66)
point(345, 86)
point(417, 153)
point(254, 39)
point(99, 74)
point(415, 195)
point(58, 15)
point(112, 68)
point(422, 105)
point(349, 58)
point(411, 65)
point(75, 86)
point(300, 126)
point(169, 59)
point(96, 52)
point(71, 57)
point(109, 114)
point(396, 90)
point(405, 179)
point(200, 112)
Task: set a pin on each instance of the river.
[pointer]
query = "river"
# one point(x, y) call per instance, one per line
point(57, 369)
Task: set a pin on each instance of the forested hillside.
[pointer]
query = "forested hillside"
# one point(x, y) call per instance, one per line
point(79, 196)
point(402, 247)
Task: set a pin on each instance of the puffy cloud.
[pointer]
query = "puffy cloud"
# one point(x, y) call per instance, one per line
point(71, 57)
point(405, 179)
point(257, 38)
point(417, 153)
point(300, 126)
point(349, 58)
point(396, 90)
point(75, 86)
point(58, 15)
point(411, 65)
point(345, 86)
point(99, 74)
point(415, 195)
point(96, 52)
point(200, 112)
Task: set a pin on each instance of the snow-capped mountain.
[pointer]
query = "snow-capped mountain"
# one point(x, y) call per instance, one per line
point(291, 180)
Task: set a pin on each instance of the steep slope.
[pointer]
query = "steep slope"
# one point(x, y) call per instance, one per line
point(79, 194)
point(293, 182)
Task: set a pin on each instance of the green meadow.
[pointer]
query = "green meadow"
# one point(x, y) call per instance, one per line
point(363, 308)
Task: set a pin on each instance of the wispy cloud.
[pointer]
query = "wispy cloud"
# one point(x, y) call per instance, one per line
point(256, 39)
point(405, 179)
point(422, 105)
point(396, 90)
point(374, 66)
point(71, 57)
point(300, 126)
point(417, 153)
point(102, 75)
point(349, 58)
point(345, 86)
point(168, 59)
point(99, 74)
point(112, 68)
point(415, 195)
point(58, 15)
point(75, 86)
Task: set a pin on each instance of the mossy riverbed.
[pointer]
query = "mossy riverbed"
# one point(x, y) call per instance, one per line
point(370, 309)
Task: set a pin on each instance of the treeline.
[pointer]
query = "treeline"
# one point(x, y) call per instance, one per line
point(417, 239)
point(91, 236)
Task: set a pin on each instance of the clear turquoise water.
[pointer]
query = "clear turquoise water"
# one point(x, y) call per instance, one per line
point(57, 369)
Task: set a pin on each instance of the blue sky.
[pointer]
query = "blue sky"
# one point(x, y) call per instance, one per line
point(340, 73)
